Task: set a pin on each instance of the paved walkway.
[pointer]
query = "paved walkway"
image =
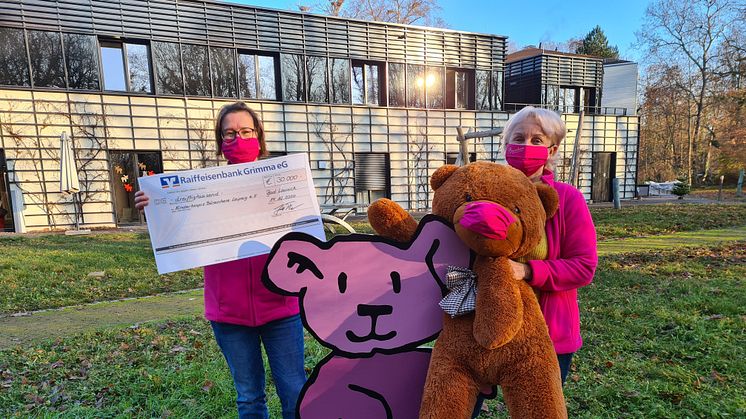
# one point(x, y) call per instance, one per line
point(27, 329)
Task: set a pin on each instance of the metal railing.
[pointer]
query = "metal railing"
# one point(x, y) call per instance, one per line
point(589, 110)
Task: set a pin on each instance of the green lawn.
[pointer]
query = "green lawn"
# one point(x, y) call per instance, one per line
point(664, 337)
point(49, 271)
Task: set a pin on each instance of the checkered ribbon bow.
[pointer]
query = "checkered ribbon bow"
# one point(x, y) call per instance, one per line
point(462, 298)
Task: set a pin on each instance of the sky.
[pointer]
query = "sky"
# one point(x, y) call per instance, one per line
point(530, 22)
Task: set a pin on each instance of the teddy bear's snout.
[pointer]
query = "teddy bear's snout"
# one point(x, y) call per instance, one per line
point(488, 219)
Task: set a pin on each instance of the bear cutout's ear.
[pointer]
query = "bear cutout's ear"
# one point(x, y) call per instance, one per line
point(441, 175)
point(293, 265)
point(549, 199)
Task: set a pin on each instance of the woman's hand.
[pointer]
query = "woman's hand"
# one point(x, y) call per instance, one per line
point(521, 271)
point(141, 200)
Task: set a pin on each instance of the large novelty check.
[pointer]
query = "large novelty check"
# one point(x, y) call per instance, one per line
point(218, 214)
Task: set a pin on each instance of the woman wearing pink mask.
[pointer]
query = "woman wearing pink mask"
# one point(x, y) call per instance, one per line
point(568, 259)
point(243, 313)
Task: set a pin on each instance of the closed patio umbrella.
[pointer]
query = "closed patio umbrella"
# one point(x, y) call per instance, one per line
point(69, 182)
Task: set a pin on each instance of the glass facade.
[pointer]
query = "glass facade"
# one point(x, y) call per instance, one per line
point(92, 63)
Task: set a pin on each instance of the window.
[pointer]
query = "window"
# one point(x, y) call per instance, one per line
point(113, 63)
point(168, 68)
point(415, 86)
point(434, 87)
point(293, 77)
point(223, 72)
point(567, 97)
point(372, 176)
point(483, 89)
point(138, 66)
point(14, 70)
point(196, 70)
point(340, 83)
point(459, 88)
point(397, 85)
point(47, 65)
point(82, 61)
point(551, 97)
point(496, 90)
point(317, 79)
point(130, 74)
point(366, 83)
point(256, 76)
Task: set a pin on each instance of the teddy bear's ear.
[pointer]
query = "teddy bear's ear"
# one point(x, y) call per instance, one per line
point(549, 199)
point(441, 175)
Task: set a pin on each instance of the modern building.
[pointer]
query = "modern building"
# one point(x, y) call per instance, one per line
point(136, 86)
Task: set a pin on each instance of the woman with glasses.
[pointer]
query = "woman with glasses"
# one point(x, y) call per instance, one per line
point(243, 313)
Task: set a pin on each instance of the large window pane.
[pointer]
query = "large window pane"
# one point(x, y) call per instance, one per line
point(483, 89)
point(113, 63)
point(415, 86)
point(223, 72)
point(82, 61)
point(46, 59)
point(267, 83)
point(168, 68)
point(372, 81)
point(358, 84)
point(317, 79)
point(138, 62)
point(397, 86)
point(340, 86)
point(247, 75)
point(434, 86)
point(14, 70)
point(497, 90)
point(293, 78)
point(196, 70)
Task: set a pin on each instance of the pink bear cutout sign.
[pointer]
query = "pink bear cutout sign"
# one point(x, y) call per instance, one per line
point(372, 301)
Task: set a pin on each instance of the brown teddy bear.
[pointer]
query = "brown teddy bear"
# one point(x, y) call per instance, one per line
point(500, 214)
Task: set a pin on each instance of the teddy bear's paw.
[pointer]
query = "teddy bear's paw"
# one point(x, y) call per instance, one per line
point(390, 220)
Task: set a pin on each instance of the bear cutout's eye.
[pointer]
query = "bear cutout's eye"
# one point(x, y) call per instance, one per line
point(396, 281)
point(342, 282)
point(517, 210)
point(467, 198)
point(304, 264)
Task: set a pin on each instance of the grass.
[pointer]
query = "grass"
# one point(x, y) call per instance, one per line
point(645, 220)
point(50, 271)
point(47, 271)
point(664, 337)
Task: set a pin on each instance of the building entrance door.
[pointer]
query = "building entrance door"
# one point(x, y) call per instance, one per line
point(6, 207)
point(603, 172)
point(126, 167)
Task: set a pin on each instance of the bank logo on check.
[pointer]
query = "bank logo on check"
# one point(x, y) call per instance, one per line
point(170, 181)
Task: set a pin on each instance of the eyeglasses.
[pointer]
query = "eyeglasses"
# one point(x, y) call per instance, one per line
point(230, 135)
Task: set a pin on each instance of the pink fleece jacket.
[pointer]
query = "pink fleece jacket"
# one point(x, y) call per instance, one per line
point(234, 293)
point(570, 264)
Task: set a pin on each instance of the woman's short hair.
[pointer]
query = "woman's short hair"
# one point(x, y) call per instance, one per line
point(550, 122)
point(239, 107)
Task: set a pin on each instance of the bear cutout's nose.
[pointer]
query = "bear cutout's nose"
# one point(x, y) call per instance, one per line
point(374, 310)
point(489, 219)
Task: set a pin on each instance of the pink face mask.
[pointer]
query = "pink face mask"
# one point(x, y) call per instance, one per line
point(526, 158)
point(488, 219)
point(241, 150)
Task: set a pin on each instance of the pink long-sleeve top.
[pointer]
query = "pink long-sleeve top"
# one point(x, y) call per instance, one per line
point(235, 294)
point(570, 264)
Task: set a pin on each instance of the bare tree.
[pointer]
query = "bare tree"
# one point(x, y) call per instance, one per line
point(686, 34)
point(337, 144)
point(408, 12)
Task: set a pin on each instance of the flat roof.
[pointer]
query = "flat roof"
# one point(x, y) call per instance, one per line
point(533, 52)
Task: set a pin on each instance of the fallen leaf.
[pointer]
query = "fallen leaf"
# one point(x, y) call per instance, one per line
point(207, 386)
